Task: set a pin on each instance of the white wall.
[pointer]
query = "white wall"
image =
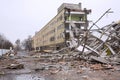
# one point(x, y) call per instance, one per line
point(3, 51)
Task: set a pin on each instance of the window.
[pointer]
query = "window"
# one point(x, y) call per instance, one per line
point(52, 38)
point(60, 27)
point(59, 18)
point(67, 26)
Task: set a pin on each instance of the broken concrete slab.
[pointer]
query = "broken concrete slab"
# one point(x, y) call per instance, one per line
point(55, 71)
point(101, 67)
point(99, 59)
point(15, 66)
point(103, 60)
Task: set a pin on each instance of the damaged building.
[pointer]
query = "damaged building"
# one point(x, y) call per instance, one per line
point(70, 29)
point(57, 33)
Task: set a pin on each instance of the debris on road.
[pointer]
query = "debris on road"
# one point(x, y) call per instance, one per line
point(54, 72)
point(15, 66)
point(101, 67)
point(2, 72)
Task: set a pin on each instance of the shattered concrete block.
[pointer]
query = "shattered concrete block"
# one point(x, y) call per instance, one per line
point(55, 71)
point(96, 67)
point(99, 59)
point(2, 72)
point(80, 71)
point(15, 66)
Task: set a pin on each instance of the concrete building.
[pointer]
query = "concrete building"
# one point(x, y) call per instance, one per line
point(56, 32)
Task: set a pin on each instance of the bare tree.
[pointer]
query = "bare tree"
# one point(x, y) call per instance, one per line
point(4, 43)
point(27, 43)
point(18, 47)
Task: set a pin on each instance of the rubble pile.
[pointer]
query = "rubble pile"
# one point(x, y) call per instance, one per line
point(106, 43)
point(9, 63)
point(15, 66)
point(102, 45)
point(100, 48)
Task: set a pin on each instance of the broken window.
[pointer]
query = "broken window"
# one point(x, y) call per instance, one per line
point(75, 17)
point(67, 36)
point(67, 26)
point(52, 38)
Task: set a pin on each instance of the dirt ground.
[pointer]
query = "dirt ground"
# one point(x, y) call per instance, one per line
point(37, 66)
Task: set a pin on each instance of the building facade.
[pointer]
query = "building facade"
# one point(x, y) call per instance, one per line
point(55, 33)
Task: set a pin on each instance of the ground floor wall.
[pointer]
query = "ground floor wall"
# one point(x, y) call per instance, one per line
point(52, 47)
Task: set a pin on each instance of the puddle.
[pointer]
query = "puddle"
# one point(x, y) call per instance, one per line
point(22, 77)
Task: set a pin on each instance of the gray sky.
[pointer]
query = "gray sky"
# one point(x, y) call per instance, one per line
point(20, 18)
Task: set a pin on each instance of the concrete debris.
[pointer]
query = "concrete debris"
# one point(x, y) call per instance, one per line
point(9, 54)
point(104, 60)
point(40, 69)
point(55, 71)
point(2, 72)
point(15, 66)
point(101, 43)
point(99, 59)
point(85, 77)
point(80, 71)
point(101, 67)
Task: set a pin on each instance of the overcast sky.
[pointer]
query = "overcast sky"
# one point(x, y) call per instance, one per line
point(20, 18)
